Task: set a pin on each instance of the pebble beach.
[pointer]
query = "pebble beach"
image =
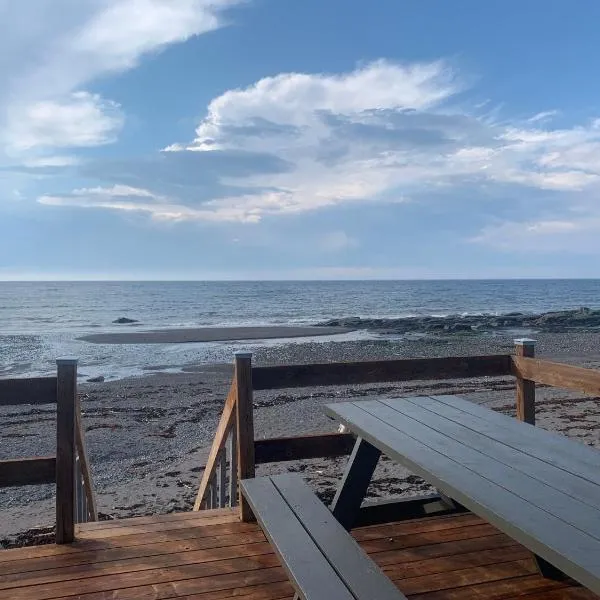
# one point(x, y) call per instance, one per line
point(148, 437)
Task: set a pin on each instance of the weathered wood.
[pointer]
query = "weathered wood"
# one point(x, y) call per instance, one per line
point(245, 425)
point(525, 387)
point(488, 462)
point(322, 560)
point(548, 446)
point(551, 524)
point(359, 573)
point(355, 481)
point(27, 471)
point(557, 374)
point(223, 428)
point(39, 390)
point(265, 378)
point(302, 559)
point(546, 464)
point(84, 465)
point(302, 447)
point(66, 392)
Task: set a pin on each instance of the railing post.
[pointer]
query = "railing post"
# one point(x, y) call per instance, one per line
point(66, 398)
point(525, 387)
point(244, 425)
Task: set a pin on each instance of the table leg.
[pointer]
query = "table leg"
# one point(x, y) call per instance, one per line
point(354, 484)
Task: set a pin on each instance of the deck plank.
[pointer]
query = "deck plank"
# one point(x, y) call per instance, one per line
point(451, 557)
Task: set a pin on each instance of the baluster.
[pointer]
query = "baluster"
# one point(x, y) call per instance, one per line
point(233, 474)
point(222, 477)
point(79, 492)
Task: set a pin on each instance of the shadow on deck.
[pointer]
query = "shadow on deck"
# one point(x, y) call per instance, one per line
point(211, 554)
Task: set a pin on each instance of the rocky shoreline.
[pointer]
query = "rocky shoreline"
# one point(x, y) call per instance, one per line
point(148, 437)
point(581, 319)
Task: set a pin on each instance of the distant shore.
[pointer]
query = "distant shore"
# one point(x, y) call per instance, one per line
point(211, 334)
point(148, 437)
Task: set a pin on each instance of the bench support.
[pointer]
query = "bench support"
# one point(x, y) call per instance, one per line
point(353, 487)
point(400, 509)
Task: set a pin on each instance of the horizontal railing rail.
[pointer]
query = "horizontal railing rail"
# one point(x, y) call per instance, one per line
point(557, 375)
point(27, 471)
point(322, 445)
point(37, 390)
point(408, 369)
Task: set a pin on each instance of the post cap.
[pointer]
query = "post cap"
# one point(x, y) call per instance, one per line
point(67, 362)
point(524, 342)
point(243, 354)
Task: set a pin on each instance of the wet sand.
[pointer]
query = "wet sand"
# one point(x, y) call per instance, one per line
point(210, 334)
point(148, 437)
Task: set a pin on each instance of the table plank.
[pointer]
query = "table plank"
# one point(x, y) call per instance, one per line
point(503, 445)
point(574, 552)
point(579, 515)
point(545, 445)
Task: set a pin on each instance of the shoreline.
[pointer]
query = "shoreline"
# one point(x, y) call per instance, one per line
point(212, 334)
point(148, 436)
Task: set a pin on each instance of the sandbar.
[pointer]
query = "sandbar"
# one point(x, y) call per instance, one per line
point(210, 334)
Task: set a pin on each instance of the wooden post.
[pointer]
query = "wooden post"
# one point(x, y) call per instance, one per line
point(244, 425)
point(525, 387)
point(66, 399)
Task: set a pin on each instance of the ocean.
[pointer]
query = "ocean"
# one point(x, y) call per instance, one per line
point(41, 321)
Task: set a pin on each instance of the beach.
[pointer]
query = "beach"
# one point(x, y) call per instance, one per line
point(148, 437)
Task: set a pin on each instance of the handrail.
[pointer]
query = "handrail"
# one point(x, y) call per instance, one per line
point(91, 513)
point(224, 428)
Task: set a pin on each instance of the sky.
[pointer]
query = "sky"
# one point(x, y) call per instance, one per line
point(299, 139)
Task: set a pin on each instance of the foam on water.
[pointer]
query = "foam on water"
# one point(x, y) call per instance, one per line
point(42, 321)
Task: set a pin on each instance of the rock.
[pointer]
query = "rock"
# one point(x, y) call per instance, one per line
point(580, 319)
point(99, 379)
point(124, 321)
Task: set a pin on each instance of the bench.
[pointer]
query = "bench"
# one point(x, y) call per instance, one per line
point(320, 557)
point(540, 488)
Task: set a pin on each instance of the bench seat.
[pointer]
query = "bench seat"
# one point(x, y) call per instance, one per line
point(320, 557)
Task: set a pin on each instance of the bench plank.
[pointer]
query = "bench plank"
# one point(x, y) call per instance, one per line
point(362, 576)
point(301, 558)
point(569, 549)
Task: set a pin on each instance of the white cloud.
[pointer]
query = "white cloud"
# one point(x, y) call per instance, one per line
point(49, 52)
point(383, 132)
point(136, 200)
point(543, 117)
point(79, 120)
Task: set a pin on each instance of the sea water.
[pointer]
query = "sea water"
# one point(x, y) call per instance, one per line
point(40, 321)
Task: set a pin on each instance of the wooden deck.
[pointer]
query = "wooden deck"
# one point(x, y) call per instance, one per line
point(210, 554)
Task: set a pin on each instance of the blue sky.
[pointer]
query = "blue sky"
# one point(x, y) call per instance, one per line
point(235, 139)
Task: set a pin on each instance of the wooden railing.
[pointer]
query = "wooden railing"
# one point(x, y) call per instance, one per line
point(69, 468)
point(235, 453)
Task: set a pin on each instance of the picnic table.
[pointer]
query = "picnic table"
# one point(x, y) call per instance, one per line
point(538, 487)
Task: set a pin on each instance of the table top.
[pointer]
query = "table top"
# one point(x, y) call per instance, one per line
point(539, 487)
